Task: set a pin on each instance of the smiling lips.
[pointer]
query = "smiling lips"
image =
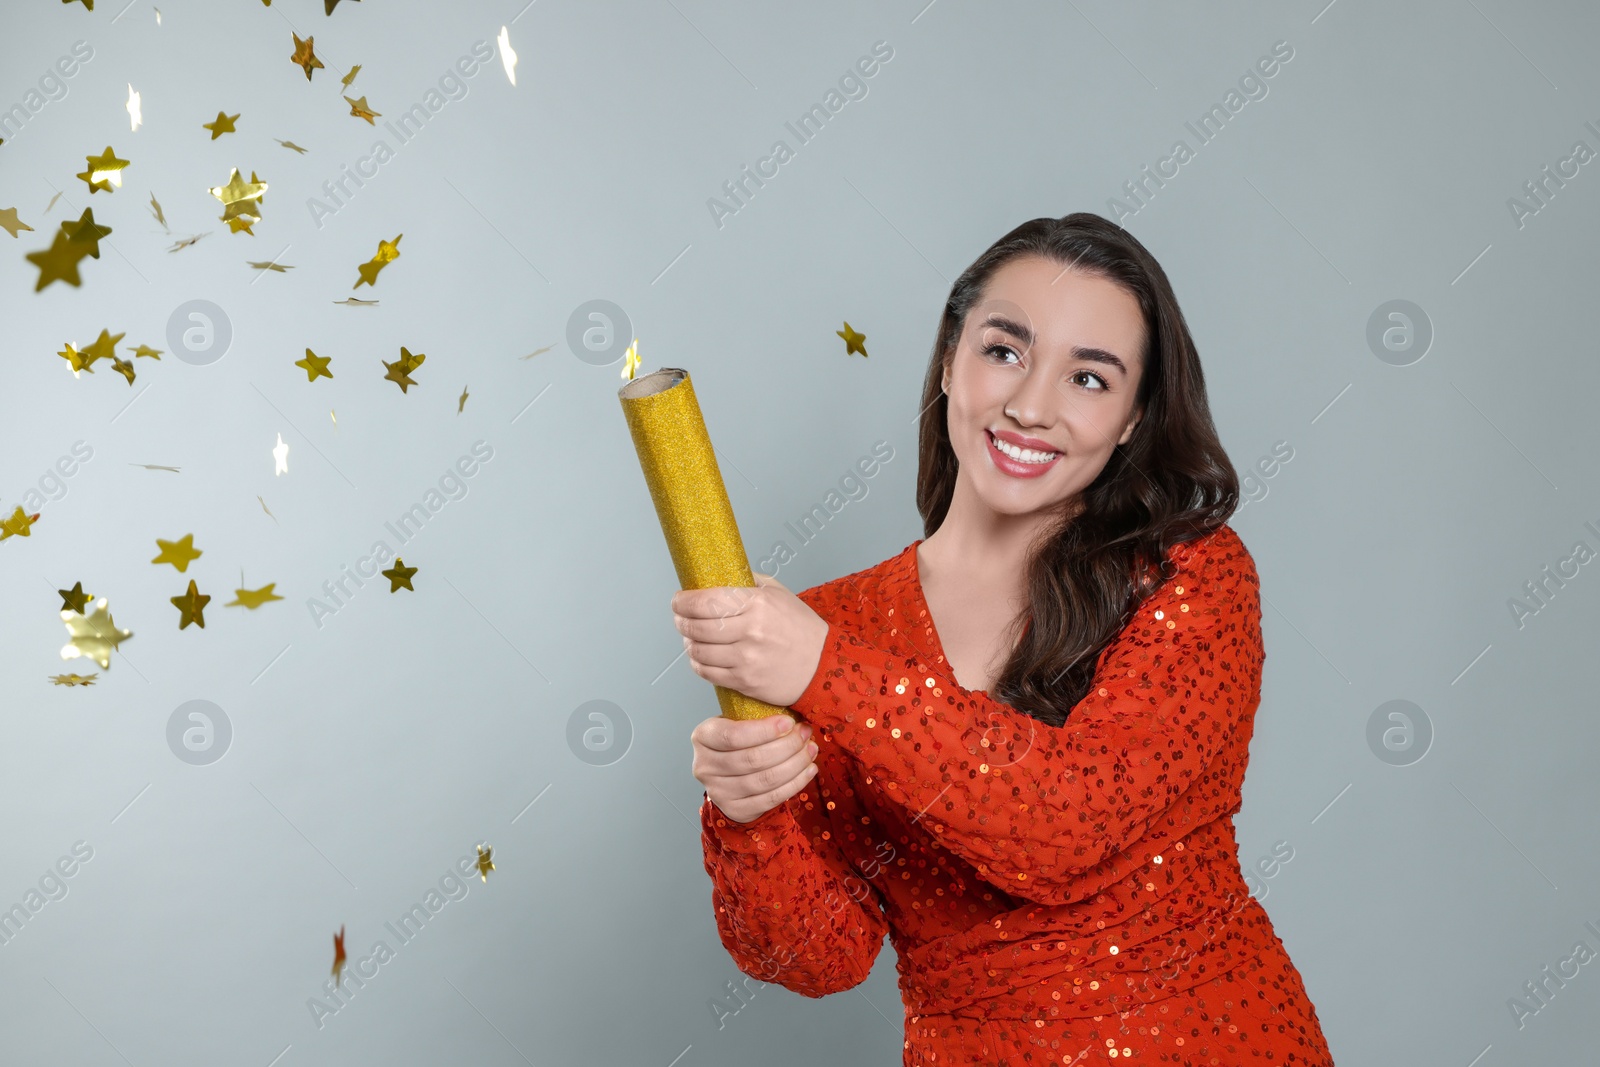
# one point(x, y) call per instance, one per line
point(1016, 461)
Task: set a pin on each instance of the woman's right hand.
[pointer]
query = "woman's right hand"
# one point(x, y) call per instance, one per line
point(750, 766)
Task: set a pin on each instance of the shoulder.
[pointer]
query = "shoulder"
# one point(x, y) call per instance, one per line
point(867, 584)
point(1218, 560)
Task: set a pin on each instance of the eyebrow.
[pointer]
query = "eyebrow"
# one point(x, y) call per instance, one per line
point(1024, 333)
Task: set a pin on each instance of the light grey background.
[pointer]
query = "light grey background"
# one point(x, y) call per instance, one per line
point(370, 753)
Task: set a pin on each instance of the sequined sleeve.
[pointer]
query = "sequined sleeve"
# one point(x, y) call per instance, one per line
point(1030, 805)
point(789, 909)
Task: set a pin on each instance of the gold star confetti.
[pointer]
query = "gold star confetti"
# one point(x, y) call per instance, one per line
point(269, 265)
point(360, 110)
point(18, 525)
point(485, 862)
point(52, 202)
point(538, 351)
point(185, 242)
point(280, 457)
point(243, 222)
point(123, 367)
point(103, 347)
point(239, 191)
point(461, 405)
point(95, 635)
point(351, 301)
point(73, 679)
point(179, 553)
point(86, 3)
point(134, 115)
point(105, 171)
point(10, 223)
point(338, 938)
point(399, 575)
point(400, 370)
point(268, 510)
point(508, 58)
point(315, 365)
point(75, 359)
point(156, 467)
point(191, 606)
point(75, 599)
point(852, 341)
point(334, 417)
point(304, 56)
point(388, 252)
point(292, 145)
point(348, 78)
point(86, 232)
point(59, 262)
point(631, 360)
point(155, 209)
point(328, 6)
point(253, 598)
point(146, 350)
point(222, 124)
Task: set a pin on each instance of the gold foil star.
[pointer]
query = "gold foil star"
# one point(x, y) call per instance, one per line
point(270, 265)
point(292, 145)
point(73, 679)
point(18, 525)
point(304, 56)
point(123, 367)
point(95, 635)
point(103, 347)
point(75, 599)
point(631, 360)
point(105, 171)
point(135, 116)
point(157, 467)
point(253, 598)
point(222, 124)
point(268, 510)
point(315, 365)
point(146, 350)
point(852, 340)
point(75, 359)
point(400, 370)
point(89, 4)
point(537, 351)
point(388, 252)
point(238, 190)
point(155, 209)
point(348, 78)
point(184, 242)
point(461, 405)
point(399, 575)
point(280, 457)
point(357, 303)
point(485, 863)
point(508, 58)
point(338, 956)
point(242, 222)
point(59, 262)
point(86, 231)
point(191, 606)
point(179, 553)
point(360, 110)
point(329, 5)
point(10, 223)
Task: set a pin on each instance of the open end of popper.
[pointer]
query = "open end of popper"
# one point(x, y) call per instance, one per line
point(657, 381)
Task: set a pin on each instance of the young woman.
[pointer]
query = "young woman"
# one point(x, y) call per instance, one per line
point(1023, 736)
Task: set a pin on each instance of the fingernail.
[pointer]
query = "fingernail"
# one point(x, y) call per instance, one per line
point(785, 724)
point(806, 729)
point(811, 746)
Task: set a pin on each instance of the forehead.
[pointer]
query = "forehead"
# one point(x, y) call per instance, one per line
point(1063, 307)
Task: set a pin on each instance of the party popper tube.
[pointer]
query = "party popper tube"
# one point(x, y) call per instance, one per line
point(691, 501)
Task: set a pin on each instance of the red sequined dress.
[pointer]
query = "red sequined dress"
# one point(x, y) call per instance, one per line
point(1055, 895)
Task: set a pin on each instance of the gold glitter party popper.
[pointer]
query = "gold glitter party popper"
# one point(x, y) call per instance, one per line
point(692, 503)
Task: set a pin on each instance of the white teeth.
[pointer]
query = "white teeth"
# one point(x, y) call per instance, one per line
point(1022, 455)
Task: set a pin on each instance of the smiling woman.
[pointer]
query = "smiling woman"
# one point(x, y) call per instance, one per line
point(1046, 704)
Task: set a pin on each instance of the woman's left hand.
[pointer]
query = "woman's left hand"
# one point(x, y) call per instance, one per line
point(761, 640)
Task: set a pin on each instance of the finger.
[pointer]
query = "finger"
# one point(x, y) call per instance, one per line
point(722, 734)
point(765, 782)
point(721, 630)
point(714, 602)
point(774, 797)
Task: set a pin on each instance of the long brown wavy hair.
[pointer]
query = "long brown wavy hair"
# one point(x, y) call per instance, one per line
point(1170, 484)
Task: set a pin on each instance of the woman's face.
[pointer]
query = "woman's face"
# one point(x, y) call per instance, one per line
point(1060, 351)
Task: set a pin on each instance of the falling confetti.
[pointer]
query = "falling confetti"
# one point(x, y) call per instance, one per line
point(10, 223)
point(270, 265)
point(18, 525)
point(253, 598)
point(388, 252)
point(155, 209)
point(461, 405)
point(103, 347)
point(190, 606)
point(334, 417)
point(631, 360)
point(134, 115)
point(400, 370)
point(73, 679)
point(105, 171)
point(399, 575)
point(360, 110)
point(75, 359)
point(538, 351)
point(508, 58)
point(303, 56)
point(75, 599)
point(348, 78)
point(156, 467)
point(268, 510)
point(338, 938)
point(351, 301)
point(89, 4)
point(146, 350)
point(292, 145)
point(239, 191)
point(86, 232)
point(222, 124)
point(123, 367)
point(52, 202)
point(852, 340)
point(59, 262)
point(95, 636)
point(179, 553)
point(280, 457)
point(315, 366)
point(185, 242)
point(485, 862)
